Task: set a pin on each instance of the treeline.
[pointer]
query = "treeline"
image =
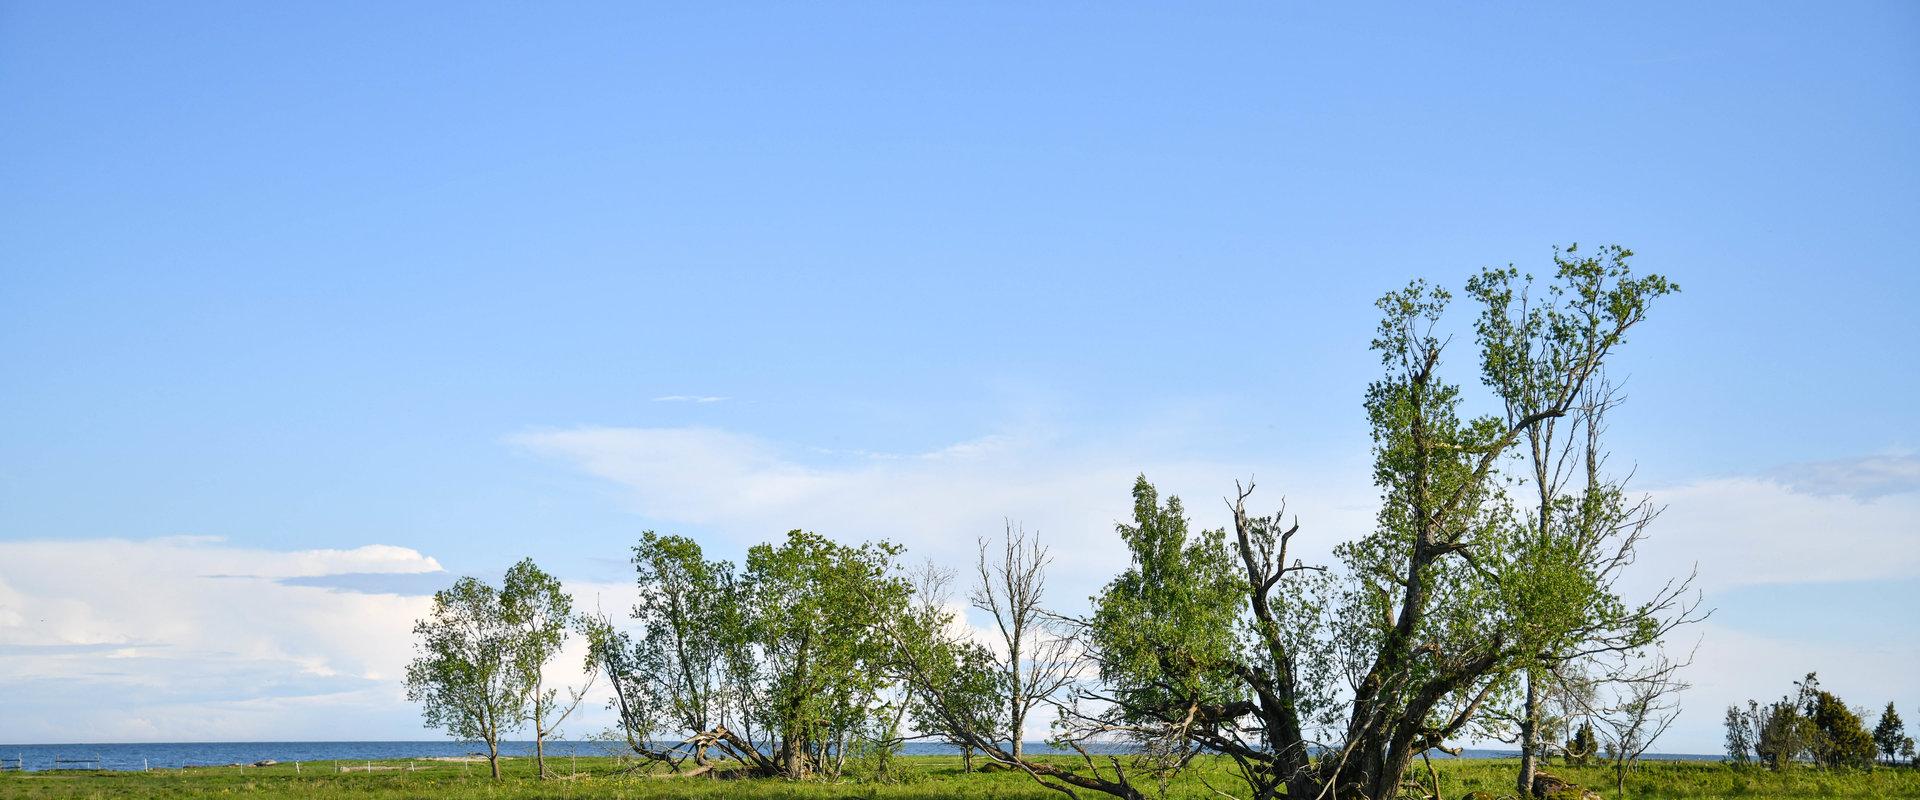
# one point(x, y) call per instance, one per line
point(1813, 726)
point(1483, 603)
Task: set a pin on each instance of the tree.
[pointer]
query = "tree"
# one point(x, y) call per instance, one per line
point(1581, 531)
point(1583, 745)
point(1782, 731)
point(958, 694)
point(465, 676)
point(1645, 707)
point(1740, 737)
point(1781, 734)
point(1890, 733)
point(1841, 738)
point(690, 664)
point(1036, 663)
point(814, 612)
point(970, 700)
point(1438, 609)
point(541, 614)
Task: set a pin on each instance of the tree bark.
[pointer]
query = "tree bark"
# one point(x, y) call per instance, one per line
point(540, 751)
point(1529, 737)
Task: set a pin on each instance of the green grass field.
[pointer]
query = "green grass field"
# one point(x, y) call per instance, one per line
point(919, 777)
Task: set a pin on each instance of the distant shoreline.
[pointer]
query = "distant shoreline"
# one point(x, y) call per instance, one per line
point(125, 756)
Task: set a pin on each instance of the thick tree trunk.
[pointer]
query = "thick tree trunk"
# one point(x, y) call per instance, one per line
point(493, 757)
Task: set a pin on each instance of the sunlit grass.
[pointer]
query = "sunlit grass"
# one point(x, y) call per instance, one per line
point(915, 777)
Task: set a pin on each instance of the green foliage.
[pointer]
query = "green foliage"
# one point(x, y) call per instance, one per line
point(691, 612)
point(1434, 613)
point(1782, 734)
point(1583, 745)
point(1841, 739)
point(466, 677)
point(1740, 736)
point(956, 689)
point(1813, 725)
point(1165, 626)
point(1890, 733)
point(814, 609)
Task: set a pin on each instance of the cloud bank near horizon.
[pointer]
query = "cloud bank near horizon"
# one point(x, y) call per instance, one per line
point(192, 638)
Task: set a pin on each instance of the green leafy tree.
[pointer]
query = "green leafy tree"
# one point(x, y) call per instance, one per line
point(465, 676)
point(1890, 733)
point(1841, 738)
point(956, 687)
point(1784, 731)
point(1781, 734)
point(1740, 736)
point(1165, 626)
point(1583, 745)
point(1581, 529)
point(814, 610)
point(1215, 639)
point(540, 613)
point(683, 674)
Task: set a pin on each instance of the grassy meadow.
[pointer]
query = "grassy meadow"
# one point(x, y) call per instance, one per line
point(915, 777)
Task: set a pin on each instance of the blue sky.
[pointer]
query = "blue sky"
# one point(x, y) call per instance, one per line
point(314, 278)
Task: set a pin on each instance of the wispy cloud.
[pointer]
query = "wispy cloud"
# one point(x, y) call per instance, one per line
point(1756, 530)
point(743, 489)
point(1834, 521)
point(689, 398)
point(1864, 478)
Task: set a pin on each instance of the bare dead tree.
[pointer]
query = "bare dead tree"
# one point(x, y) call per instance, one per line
point(1037, 663)
point(1642, 708)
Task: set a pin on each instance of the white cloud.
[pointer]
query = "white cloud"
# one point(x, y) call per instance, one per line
point(186, 637)
point(1741, 531)
point(1747, 531)
point(744, 490)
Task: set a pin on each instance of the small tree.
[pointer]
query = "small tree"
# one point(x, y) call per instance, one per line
point(1583, 744)
point(540, 614)
point(465, 675)
point(1739, 736)
point(1036, 664)
point(1647, 705)
point(1890, 733)
point(970, 699)
point(1781, 733)
point(1843, 740)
